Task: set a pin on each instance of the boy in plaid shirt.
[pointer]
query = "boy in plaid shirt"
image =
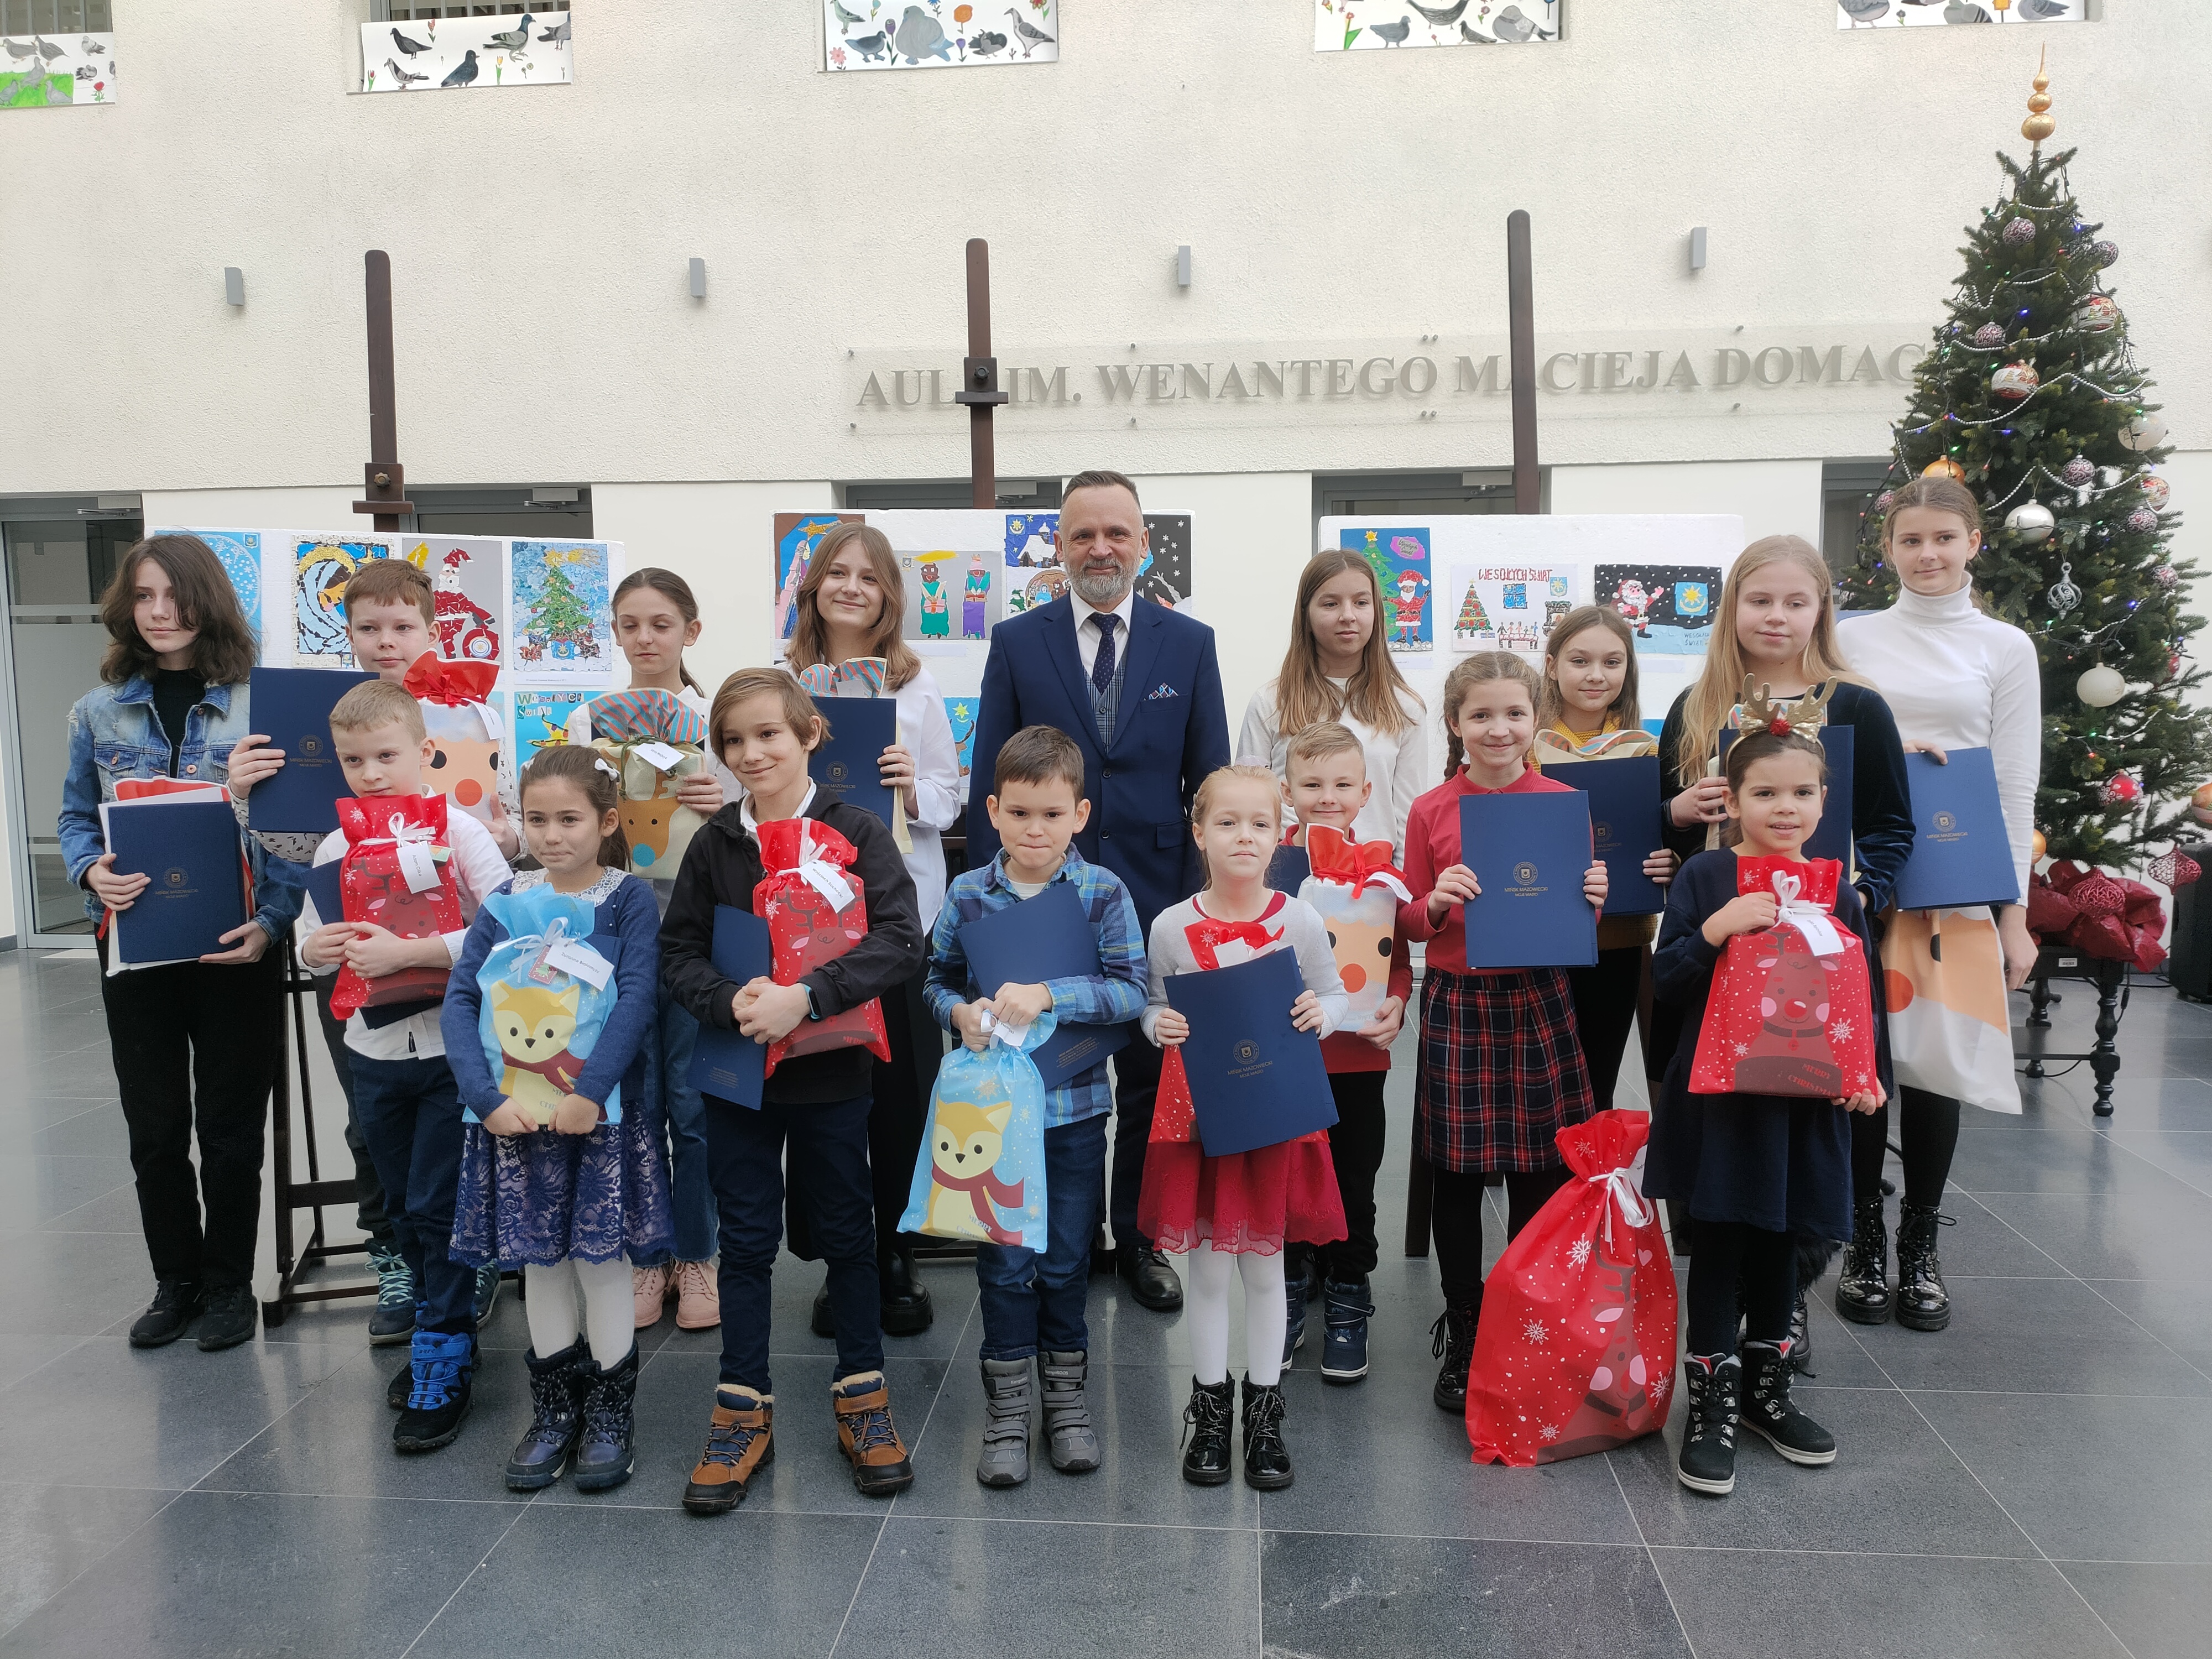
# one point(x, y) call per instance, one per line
point(1033, 1304)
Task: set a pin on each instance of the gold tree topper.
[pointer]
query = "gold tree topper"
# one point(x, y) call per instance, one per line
point(2040, 124)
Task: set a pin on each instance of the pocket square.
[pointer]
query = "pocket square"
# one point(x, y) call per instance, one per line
point(1163, 691)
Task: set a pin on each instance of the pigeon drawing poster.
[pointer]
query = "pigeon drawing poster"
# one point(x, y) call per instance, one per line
point(541, 716)
point(1035, 577)
point(1379, 25)
point(462, 54)
point(321, 566)
point(559, 596)
point(797, 536)
point(1668, 607)
point(1400, 556)
point(241, 552)
point(895, 34)
point(1501, 606)
point(468, 575)
point(45, 71)
point(1935, 13)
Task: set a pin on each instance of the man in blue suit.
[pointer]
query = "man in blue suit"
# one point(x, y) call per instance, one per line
point(1139, 688)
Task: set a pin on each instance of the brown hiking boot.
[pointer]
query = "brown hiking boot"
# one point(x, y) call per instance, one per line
point(739, 1441)
point(867, 1436)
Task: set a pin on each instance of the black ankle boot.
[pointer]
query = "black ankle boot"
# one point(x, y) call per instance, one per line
point(1708, 1461)
point(1205, 1427)
point(1769, 1410)
point(557, 1385)
point(604, 1457)
point(1454, 1343)
point(1266, 1459)
point(1862, 1288)
point(1924, 1303)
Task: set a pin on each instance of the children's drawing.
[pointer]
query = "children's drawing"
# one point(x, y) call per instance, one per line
point(1165, 576)
point(1508, 607)
point(1379, 25)
point(541, 718)
point(452, 54)
point(44, 71)
point(1035, 576)
point(469, 575)
point(560, 600)
point(1670, 607)
point(883, 34)
point(321, 567)
point(1399, 559)
point(240, 552)
point(797, 536)
point(960, 713)
point(976, 598)
point(1924, 14)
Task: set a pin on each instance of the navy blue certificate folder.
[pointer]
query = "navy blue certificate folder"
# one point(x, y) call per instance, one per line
point(848, 766)
point(196, 891)
point(1254, 1079)
point(291, 708)
point(325, 885)
point(1529, 854)
point(727, 1064)
point(1831, 836)
point(1623, 810)
point(1961, 853)
point(1046, 937)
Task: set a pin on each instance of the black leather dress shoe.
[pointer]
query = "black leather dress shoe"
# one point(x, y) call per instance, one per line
point(1151, 1281)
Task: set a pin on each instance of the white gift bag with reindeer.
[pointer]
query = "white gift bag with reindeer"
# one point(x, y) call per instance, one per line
point(547, 990)
point(653, 738)
point(980, 1175)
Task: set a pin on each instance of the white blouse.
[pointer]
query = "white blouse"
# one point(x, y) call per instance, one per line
point(1397, 767)
point(1958, 678)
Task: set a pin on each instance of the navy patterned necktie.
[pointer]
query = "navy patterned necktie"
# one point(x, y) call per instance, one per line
point(1102, 666)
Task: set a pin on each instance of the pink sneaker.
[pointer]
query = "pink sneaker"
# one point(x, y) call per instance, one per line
point(698, 1297)
point(649, 1288)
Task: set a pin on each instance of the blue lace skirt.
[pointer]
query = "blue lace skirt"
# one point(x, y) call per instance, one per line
point(543, 1198)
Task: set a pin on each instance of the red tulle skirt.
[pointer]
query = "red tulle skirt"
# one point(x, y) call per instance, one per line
point(1245, 1202)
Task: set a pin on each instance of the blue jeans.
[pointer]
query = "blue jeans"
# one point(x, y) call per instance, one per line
point(409, 1113)
point(682, 1126)
point(1030, 1300)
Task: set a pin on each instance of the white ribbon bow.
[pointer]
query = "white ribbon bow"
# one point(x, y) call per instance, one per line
point(818, 872)
point(418, 864)
point(558, 950)
point(1383, 878)
point(1810, 920)
point(1624, 1186)
point(1005, 1031)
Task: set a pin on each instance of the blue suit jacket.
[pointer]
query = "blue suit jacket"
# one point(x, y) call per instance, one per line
point(1172, 730)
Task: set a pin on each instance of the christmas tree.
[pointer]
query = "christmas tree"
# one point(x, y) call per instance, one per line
point(557, 613)
point(2032, 396)
point(1473, 618)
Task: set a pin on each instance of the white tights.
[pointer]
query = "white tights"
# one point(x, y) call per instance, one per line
point(609, 1317)
point(1266, 1314)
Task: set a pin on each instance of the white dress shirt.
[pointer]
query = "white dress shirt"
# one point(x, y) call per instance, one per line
point(1397, 766)
point(1087, 631)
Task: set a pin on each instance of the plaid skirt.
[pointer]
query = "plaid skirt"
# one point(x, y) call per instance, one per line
point(1501, 1070)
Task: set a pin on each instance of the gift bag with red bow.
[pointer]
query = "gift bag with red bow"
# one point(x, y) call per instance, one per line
point(816, 911)
point(1358, 892)
point(1575, 1351)
point(467, 731)
point(396, 873)
point(1791, 1012)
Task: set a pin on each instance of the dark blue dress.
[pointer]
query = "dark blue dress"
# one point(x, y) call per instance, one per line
point(1779, 1164)
point(542, 1198)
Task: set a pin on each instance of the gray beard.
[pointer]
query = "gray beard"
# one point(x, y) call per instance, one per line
point(1102, 592)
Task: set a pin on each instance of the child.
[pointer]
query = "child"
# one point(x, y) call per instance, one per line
point(566, 1203)
point(655, 618)
point(1501, 1070)
point(1326, 782)
point(405, 1100)
point(1242, 1207)
point(764, 725)
point(1756, 1172)
point(1033, 1305)
point(1587, 711)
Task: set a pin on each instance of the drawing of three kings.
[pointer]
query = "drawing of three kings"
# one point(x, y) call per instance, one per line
point(936, 602)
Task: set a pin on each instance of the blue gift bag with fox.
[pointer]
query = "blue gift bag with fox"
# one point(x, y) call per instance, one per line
point(980, 1175)
point(547, 989)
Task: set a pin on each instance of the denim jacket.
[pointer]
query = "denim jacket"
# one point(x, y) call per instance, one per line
point(114, 733)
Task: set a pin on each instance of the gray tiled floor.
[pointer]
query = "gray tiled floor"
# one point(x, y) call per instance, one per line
point(2030, 1482)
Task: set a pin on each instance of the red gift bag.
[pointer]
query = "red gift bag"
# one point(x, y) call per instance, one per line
point(816, 911)
point(1791, 1012)
point(1574, 1352)
point(397, 872)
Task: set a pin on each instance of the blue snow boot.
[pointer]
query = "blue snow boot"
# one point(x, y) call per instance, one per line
point(445, 1362)
point(1346, 1311)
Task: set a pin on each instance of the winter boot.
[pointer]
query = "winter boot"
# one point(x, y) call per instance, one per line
point(1070, 1441)
point(1708, 1461)
point(865, 1434)
point(740, 1442)
point(1294, 1328)
point(1862, 1288)
point(484, 1293)
point(394, 1318)
point(1206, 1427)
point(1344, 1312)
point(1768, 1410)
point(1924, 1303)
point(1266, 1459)
point(1454, 1343)
point(1006, 1459)
point(1801, 1337)
point(1814, 1257)
point(444, 1364)
point(557, 1386)
point(603, 1456)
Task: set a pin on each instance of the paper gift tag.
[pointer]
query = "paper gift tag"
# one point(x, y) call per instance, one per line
point(574, 957)
point(659, 755)
point(418, 865)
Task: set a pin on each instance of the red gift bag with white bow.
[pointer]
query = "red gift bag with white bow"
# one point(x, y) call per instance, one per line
point(1791, 1012)
point(1575, 1351)
point(396, 873)
point(816, 910)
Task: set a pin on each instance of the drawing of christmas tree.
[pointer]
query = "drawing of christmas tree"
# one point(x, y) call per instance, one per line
point(1473, 618)
point(557, 615)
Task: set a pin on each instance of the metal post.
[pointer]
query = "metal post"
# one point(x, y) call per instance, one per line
point(385, 481)
point(979, 380)
point(1521, 311)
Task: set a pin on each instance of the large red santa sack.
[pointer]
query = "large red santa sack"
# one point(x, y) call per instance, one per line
point(816, 909)
point(1575, 1351)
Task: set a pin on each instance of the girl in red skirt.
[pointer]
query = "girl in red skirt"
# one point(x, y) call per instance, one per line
point(1501, 1069)
point(1238, 1209)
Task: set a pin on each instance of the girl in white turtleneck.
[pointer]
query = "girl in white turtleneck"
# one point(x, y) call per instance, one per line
point(1955, 678)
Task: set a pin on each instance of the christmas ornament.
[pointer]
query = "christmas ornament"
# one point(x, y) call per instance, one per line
point(2107, 252)
point(2119, 789)
point(1944, 467)
point(2143, 521)
point(1989, 336)
point(1884, 502)
point(2063, 595)
point(2101, 687)
point(2036, 846)
point(2019, 234)
point(2200, 804)
point(2176, 869)
point(2166, 576)
point(2155, 490)
point(2173, 665)
point(2097, 314)
point(2079, 472)
point(2097, 895)
point(2032, 519)
point(2015, 379)
point(2108, 477)
point(2145, 432)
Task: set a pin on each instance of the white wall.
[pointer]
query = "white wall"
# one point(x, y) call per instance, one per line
point(324, 509)
point(1772, 498)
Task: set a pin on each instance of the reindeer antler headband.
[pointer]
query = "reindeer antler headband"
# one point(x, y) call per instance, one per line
point(1761, 711)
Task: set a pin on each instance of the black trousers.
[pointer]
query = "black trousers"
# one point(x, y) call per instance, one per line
point(369, 1210)
point(1928, 1137)
point(1458, 1222)
point(1766, 1265)
point(1136, 1087)
point(1605, 1013)
point(197, 1049)
point(1355, 1146)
